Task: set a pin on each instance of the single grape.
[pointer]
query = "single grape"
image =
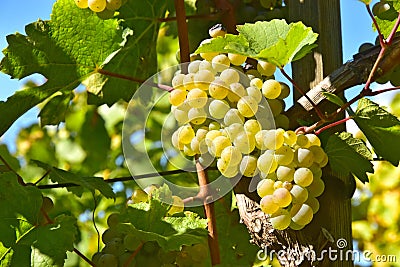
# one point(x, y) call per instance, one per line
point(278, 184)
point(287, 185)
point(109, 234)
point(303, 177)
point(197, 116)
point(193, 66)
point(295, 226)
point(228, 170)
point(313, 203)
point(218, 144)
point(237, 91)
point(115, 247)
point(284, 155)
point(257, 83)
point(218, 89)
point(248, 166)
point(201, 133)
point(281, 219)
point(177, 81)
point(282, 121)
point(113, 219)
point(302, 214)
point(273, 139)
point(290, 137)
point(271, 89)
point(188, 81)
point(237, 59)
point(268, 205)
point(313, 139)
point(252, 126)
point(97, 5)
point(316, 188)
point(285, 173)
point(316, 170)
point(131, 242)
point(285, 91)
point(230, 76)
point(113, 4)
point(176, 142)
point(107, 260)
point(218, 108)
point(233, 116)
point(255, 93)
point(282, 197)
point(206, 65)
point(318, 153)
point(234, 129)
point(266, 162)
point(211, 135)
point(245, 142)
point(265, 187)
point(276, 106)
point(299, 194)
point(96, 257)
point(188, 151)
point(303, 157)
point(265, 68)
point(231, 155)
point(197, 98)
point(203, 78)
point(177, 205)
point(176, 97)
point(220, 63)
point(185, 134)
point(302, 141)
point(214, 125)
point(181, 113)
point(81, 3)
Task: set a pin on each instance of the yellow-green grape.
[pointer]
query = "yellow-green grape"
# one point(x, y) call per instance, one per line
point(229, 76)
point(138, 196)
point(265, 68)
point(281, 219)
point(228, 170)
point(236, 92)
point(303, 177)
point(197, 116)
point(220, 63)
point(217, 30)
point(107, 260)
point(97, 5)
point(233, 116)
point(271, 89)
point(313, 139)
point(282, 121)
point(177, 205)
point(318, 152)
point(113, 219)
point(218, 89)
point(211, 135)
point(176, 97)
point(214, 125)
point(234, 129)
point(252, 126)
point(176, 142)
point(188, 81)
point(299, 194)
point(201, 133)
point(282, 197)
point(257, 83)
point(316, 188)
point(248, 166)
point(113, 4)
point(265, 187)
point(266, 162)
point(218, 108)
point(259, 136)
point(197, 98)
point(255, 93)
point(295, 226)
point(316, 170)
point(237, 59)
point(206, 65)
point(177, 81)
point(245, 142)
point(324, 161)
point(273, 139)
point(231, 155)
point(81, 3)
point(181, 113)
point(285, 91)
point(131, 242)
point(302, 214)
point(303, 157)
point(278, 184)
point(188, 151)
point(208, 55)
point(218, 144)
point(247, 106)
point(313, 203)
point(276, 106)
point(203, 78)
point(193, 66)
point(268, 205)
point(284, 155)
point(285, 173)
point(302, 141)
point(290, 137)
point(185, 134)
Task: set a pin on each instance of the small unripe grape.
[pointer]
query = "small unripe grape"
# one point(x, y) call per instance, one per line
point(282, 121)
point(281, 219)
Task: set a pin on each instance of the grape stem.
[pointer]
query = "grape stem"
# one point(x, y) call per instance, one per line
point(41, 178)
point(336, 123)
point(183, 34)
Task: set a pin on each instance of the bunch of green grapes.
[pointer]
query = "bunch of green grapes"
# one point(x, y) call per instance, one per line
point(104, 8)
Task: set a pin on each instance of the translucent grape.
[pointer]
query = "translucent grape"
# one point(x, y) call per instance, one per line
point(218, 144)
point(220, 63)
point(313, 139)
point(290, 137)
point(278, 184)
point(201, 133)
point(234, 129)
point(266, 162)
point(302, 214)
point(303, 177)
point(257, 83)
point(176, 142)
point(236, 92)
point(230, 76)
point(247, 106)
point(302, 141)
point(181, 113)
point(197, 116)
point(295, 226)
point(318, 153)
point(177, 81)
point(265, 68)
point(268, 205)
point(271, 89)
point(287, 185)
point(193, 66)
point(237, 59)
point(273, 139)
point(252, 126)
point(285, 173)
point(313, 203)
point(198, 146)
point(218, 89)
point(185, 134)
point(265, 187)
point(231, 155)
point(245, 142)
point(282, 197)
point(284, 155)
point(218, 108)
point(281, 219)
point(81, 3)
point(248, 166)
point(188, 151)
point(206, 65)
point(211, 135)
point(299, 194)
point(228, 170)
point(176, 97)
point(304, 157)
point(255, 93)
point(197, 98)
point(188, 81)
point(233, 116)
point(214, 125)
point(316, 170)
point(97, 5)
point(316, 188)
point(282, 121)
point(203, 78)
point(113, 4)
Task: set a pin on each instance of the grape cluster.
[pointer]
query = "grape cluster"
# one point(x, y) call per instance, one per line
point(223, 115)
point(128, 249)
point(104, 8)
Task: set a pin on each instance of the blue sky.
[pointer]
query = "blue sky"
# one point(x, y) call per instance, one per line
point(15, 14)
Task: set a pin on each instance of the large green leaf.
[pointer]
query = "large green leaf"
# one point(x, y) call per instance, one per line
point(89, 183)
point(381, 128)
point(274, 41)
point(349, 155)
point(64, 50)
point(387, 19)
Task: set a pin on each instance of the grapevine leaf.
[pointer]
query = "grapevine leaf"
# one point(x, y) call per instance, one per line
point(15, 208)
point(274, 41)
point(333, 98)
point(64, 50)
point(90, 183)
point(9, 159)
point(386, 20)
point(59, 103)
point(381, 128)
point(357, 144)
point(344, 158)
